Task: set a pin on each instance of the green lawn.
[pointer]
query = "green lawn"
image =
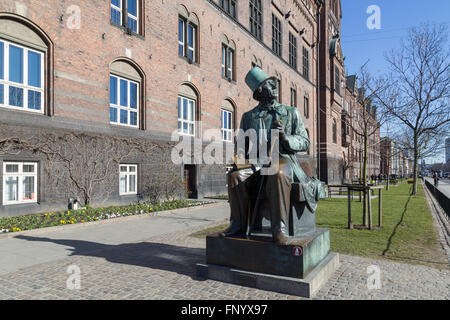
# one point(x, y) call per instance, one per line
point(408, 234)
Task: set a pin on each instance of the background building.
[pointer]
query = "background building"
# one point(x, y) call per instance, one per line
point(140, 70)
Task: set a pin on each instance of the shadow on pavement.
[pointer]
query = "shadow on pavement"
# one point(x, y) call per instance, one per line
point(166, 257)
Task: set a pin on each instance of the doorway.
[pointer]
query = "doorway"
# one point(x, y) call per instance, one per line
point(190, 181)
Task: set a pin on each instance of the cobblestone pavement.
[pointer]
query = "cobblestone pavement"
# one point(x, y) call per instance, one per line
point(163, 267)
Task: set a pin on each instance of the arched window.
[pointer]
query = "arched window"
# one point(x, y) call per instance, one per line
point(279, 86)
point(334, 131)
point(126, 94)
point(188, 35)
point(188, 110)
point(228, 58)
point(293, 95)
point(25, 74)
point(227, 120)
point(306, 106)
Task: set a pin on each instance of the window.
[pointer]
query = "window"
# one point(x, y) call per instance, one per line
point(21, 77)
point(306, 107)
point(293, 98)
point(337, 80)
point(278, 83)
point(19, 182)
point(227, 62)
point(227, 125)
point(116, 11)
point(124, 102)
point(334, 131)
point(256, 22)
point(276, 35)
point(187, 33)
point(305, 63)
point(229, 6)
point(128, 179)
point(308, 152)
point(186, 116)
point(128, 9)
point(292, 51)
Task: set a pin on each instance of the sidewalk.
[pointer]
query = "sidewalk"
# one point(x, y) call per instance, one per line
point(155, 258)
point(17, 253)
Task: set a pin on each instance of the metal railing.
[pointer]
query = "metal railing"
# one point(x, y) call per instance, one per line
point(441, 198)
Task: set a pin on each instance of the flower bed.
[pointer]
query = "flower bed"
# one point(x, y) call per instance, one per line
point(88, 214)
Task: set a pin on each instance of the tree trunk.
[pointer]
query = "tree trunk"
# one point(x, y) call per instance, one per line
point(364, 175)
point(388, 171)
point(416, 162)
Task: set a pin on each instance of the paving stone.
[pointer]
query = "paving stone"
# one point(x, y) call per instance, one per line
point(163, 267)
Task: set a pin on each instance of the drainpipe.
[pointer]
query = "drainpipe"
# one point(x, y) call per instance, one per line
point(318, 86)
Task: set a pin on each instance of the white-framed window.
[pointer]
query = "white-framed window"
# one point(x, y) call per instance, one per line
point(132, 13)
point(19, 182)
point(181, 37)
point(128, 179)
point(227, 125)
point(187, 39)
point(227, 62)
point(124, 102)
point(186, 116)
point(21, 77)
point(116, 11)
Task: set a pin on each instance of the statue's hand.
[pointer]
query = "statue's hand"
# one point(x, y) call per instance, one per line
point(278, 125)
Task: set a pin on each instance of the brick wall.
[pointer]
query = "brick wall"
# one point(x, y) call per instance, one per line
point(79, 67)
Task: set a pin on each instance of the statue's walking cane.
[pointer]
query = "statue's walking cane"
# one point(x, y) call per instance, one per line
point(261, 184)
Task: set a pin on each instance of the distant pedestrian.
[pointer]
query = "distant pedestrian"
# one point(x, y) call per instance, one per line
point(436, 179)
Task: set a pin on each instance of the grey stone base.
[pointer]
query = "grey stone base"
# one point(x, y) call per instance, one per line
point(306, 287)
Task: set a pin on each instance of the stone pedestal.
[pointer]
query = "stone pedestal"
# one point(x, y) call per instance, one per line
point(299, 267)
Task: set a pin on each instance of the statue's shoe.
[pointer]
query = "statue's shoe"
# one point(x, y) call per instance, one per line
point(281, 238)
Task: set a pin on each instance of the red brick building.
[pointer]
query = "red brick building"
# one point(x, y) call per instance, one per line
point(340, 150)
point(332, 91)
point(144, 69)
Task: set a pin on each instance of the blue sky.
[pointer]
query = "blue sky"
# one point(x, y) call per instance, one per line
point(360, 44)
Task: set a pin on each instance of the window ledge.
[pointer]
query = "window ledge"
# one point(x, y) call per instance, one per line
point(133, 34)
point(195, 63)
point(24, 205)
point(120, 126)
point(230, 81)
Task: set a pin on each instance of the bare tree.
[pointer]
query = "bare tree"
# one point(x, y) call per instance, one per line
point(419, 88)
point(81, 165)
point(365, 120)
point(85, 165)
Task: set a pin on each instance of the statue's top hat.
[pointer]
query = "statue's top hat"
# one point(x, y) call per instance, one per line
point(256, 78)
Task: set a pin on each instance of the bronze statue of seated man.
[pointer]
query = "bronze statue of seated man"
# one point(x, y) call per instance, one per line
point(252, 184)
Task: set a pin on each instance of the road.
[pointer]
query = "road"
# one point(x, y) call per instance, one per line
point(444, 185)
